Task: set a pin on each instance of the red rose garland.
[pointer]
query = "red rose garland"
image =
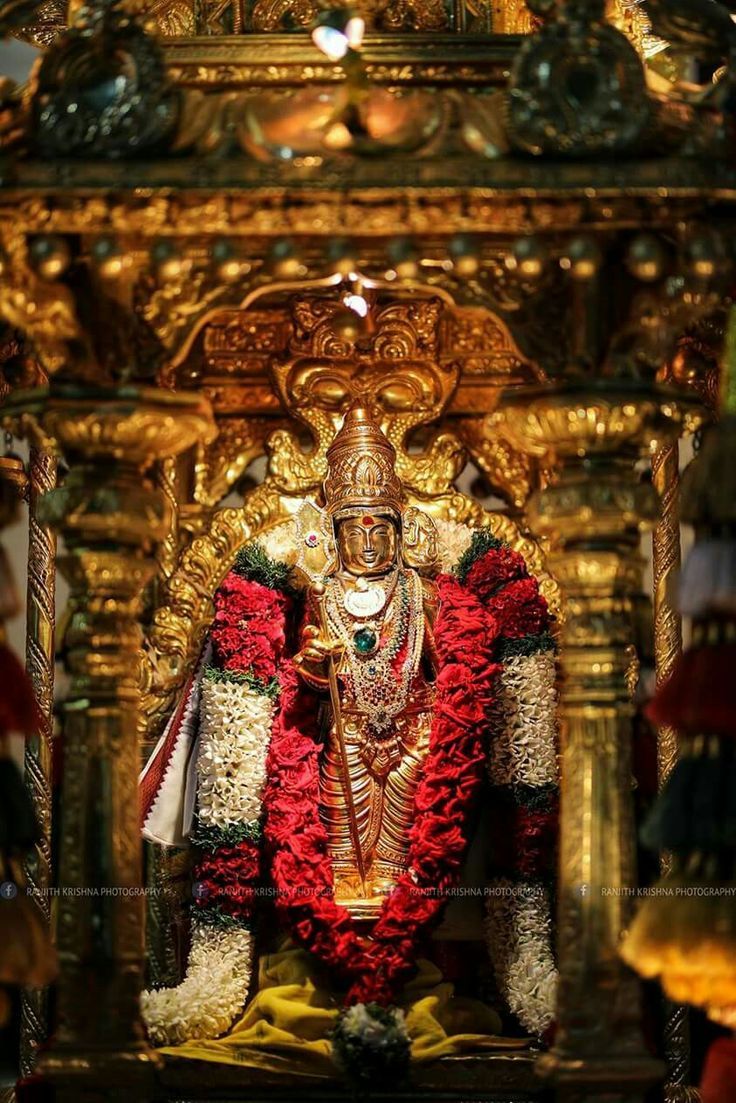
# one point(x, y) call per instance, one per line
point(376, 967)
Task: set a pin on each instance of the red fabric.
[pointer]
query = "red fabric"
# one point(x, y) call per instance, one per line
point(18, 709)
point(719, 1075)
point(699, 697)
point(524, 840)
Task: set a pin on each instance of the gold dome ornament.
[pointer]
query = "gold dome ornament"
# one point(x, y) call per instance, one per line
point(361, 472)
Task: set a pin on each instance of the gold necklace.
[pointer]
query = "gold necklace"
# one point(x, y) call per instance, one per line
point(377, 690)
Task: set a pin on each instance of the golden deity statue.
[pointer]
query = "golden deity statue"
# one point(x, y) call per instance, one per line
point(378, 613)
point(363, 755)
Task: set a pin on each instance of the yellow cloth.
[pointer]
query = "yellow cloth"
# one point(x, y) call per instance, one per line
point(285, 1026)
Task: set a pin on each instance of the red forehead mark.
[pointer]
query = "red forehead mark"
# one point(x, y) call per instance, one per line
point(368, 520)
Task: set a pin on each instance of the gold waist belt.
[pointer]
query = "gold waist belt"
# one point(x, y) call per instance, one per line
point(413, 708)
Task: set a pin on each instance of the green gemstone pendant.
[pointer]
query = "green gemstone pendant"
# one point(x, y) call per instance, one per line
point(365, 641)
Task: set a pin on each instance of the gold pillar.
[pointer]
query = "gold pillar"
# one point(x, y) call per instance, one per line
point(592, 516)
point(40, 629)
point(112, 517)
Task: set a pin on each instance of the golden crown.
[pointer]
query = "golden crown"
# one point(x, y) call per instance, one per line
point(361, 471)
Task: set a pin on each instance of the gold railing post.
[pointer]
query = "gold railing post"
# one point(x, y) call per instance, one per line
point(592, 516)
point(40, 630)
point(112, 517)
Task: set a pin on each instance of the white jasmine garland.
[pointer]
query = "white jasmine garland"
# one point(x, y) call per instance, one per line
point(234, 733)
point(454, 540)
point(519, 938)
point(213, 992)
point(524, 748)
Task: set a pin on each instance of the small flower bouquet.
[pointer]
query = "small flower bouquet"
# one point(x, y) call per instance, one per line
point(371, 1045)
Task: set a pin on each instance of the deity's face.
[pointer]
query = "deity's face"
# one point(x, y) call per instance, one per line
point(367, 544)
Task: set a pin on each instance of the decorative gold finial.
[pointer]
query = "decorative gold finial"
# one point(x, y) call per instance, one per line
point(361, 468)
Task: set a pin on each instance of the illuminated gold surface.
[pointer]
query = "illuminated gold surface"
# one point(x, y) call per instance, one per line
point(111, 517)
point(40, 660)
point(592, 516)
point(463, 324)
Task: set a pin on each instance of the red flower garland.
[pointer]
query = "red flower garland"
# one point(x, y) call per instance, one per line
point(248, 632)
point(226, 879)
point(248, 636)
point(376, 967)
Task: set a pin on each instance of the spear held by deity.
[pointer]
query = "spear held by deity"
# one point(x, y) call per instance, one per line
point(318, 592)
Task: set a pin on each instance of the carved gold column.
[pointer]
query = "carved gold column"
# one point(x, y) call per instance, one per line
point(592, 516)
point(40, 628)
point(112, 518)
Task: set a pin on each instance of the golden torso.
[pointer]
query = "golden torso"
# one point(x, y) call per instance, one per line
point(385, 677)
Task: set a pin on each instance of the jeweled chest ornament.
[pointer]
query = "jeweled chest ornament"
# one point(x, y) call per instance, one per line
point(381, 656)
point(367, 599)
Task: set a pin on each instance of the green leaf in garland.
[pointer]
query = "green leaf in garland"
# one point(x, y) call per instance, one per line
point(253, 563)
point(209, 837)
point(244, 678)
point(212, 916)
point(482, 541)
point(509, 648)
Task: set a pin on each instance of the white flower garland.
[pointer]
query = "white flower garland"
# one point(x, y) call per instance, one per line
point(525, 719)
point(519, 937)
point(234, 733)
point(454, 540)
point(212, 993)
point(518, 920)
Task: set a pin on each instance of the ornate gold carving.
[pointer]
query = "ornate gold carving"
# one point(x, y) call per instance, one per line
point(666, 564)
point(458, 199)
point(361, 466)
point(171, 307)
point(512, 473)
point(40, 660)
point(419, 15)
point(239, 441)
point(667, 648)
point(394, 369)
point(274, 15)
point(592, 515)
point(42, 309)
point(180, 623)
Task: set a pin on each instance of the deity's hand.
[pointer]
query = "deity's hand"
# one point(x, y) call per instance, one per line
point(316, 650)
